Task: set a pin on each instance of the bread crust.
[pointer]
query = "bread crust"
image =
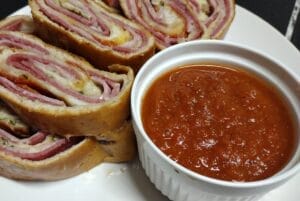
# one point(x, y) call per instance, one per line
point(121, 144)
point(77, 159)
point(99, 57)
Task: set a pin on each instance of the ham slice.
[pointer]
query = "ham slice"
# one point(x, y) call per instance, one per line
point(40, 146)
point(35, 146)
point(90, 29)
point(7, 39)
point(22, 23)
point(25, 93)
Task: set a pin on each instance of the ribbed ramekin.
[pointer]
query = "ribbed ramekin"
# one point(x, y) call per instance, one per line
point(176, 181)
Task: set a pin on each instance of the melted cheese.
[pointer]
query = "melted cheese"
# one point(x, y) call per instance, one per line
point(119, 36)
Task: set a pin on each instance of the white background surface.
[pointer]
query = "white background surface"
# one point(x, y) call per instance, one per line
point(127, 182)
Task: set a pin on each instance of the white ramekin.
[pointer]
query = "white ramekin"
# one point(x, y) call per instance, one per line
point(176, 181)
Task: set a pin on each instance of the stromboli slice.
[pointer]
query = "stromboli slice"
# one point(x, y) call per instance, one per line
point(41, 156)
point(65, 161)
point(114, 146)
point(22, 23)
point(90, 30)
point(170, 22)
point(32, 44)
point(73, 161)
point(119, 143)
point(49, 92)
point(216, 15)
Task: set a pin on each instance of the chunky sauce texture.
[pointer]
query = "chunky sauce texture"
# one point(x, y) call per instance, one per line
point(220, 122)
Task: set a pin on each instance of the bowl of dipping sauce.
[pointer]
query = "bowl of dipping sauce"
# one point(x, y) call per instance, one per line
point(216, 121)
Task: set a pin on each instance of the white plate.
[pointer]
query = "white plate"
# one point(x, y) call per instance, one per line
point(127, 182)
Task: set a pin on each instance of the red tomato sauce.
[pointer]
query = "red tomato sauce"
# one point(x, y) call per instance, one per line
point(220, 122)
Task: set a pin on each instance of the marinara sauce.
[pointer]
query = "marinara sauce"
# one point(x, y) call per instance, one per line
point(220, 122)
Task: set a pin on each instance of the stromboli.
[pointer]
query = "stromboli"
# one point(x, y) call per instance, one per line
point(120, 141)
point(170, 22)
point(90, 30)
point(73, 161)
point(55, 157)
point(176, 21)
point(92, 101)
point(41, 156)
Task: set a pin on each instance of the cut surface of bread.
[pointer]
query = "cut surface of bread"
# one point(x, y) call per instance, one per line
point(177, 21)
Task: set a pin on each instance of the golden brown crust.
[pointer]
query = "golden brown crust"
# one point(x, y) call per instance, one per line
point(100, 58)
point(79, 158)
point(121, 144)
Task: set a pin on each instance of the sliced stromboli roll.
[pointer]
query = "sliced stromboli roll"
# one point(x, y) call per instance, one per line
point(49, 87)
point(48, 93)
point(216, 15)
point(22, 23)
point(170, 22)
point(87, 28)
point(41, 156)
point(119, 143)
